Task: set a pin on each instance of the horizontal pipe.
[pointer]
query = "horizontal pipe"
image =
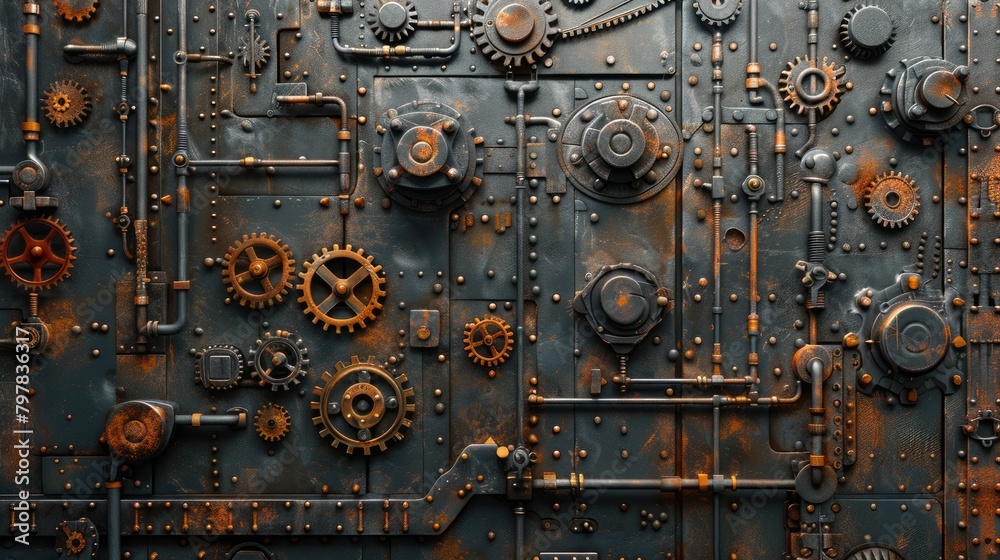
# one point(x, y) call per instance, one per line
point(665, 484)
point(720, 400)
point(251, 163)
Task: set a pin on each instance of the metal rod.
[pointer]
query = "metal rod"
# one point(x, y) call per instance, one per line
point(401, 51)
point(722, 400)
point(142, 164)
point(252, 163)
point(666, 484)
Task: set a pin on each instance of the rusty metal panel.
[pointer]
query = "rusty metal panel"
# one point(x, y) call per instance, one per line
point(512, 279)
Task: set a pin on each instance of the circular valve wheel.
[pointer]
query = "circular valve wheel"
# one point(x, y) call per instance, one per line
point(258, 270)
point(272, 422)
point(279, 360)
point(488, 341)
point(362, 406)
point(342, 288)
point(37, 253)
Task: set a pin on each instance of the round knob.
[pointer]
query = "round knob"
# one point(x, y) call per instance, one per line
point(941, 89)
point(515, 23)
point(913, 338)
point(867, 31)
point(392, 15)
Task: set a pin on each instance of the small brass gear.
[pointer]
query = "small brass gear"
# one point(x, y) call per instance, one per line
point(279, 360)
point(258, 270)
point(893, 200)
point(66, 103)
point(342, 288)
point(74, 538)
point(37, 253)
point(76, 10)
point(362, 405)
point(796, 85)
point(488, 340)
point(272, 422)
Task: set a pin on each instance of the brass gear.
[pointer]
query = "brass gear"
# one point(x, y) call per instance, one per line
point(74, 537)
point(66, 103)
point(801, 97)
point(514, 33)
point(488, 340)
point(257, 279)
point(362, 406)
point(359, 288)
point(37, 253)
point(279, 360)
point(893, 200)
point(272, 422)
point(76, 10)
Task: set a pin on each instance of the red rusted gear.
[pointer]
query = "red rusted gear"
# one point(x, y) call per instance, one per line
point(257, 279)
point(488, 340)
point(893, 200)
point(66, 103)
point(351, 279)
point(37, 253)
point(829, 87)
point(362, 406)
point(76, 10)
point(272, 422)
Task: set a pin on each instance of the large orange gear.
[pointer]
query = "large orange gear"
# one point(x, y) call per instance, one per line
point(362, 406)
point(66, 103)
point(488, 341)
point(258, 270)
point(37, 253)
point(76, 10)
point(342, 288)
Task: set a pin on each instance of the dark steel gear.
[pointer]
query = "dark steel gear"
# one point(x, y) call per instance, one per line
point(392, 21)
point(66, 103)
point(279, 360)
point(514, 33)
point(875, 553)
point(893, 200)
point(362, 406)
point(258, 270)
point(795, 84)
point(76, 10)
point(716, 13)
point(578, 2)
point(37, 253)
point(219, 367)
point(272, 422)
point(345, 276)
point(488, 340)
point(77, 538)
point(867, 31)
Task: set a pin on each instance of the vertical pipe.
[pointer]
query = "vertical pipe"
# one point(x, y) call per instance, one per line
point(718, 192)
point(716, 476)
point(141, 177)
point(114, 519)
point(31, 128)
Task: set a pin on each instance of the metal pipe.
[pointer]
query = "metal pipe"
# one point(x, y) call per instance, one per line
point(31, 128)
point(716, 474)
point(210, 420)
point(251, 162)
point(400, 51)
point(665, 484)
point(817, 427)
point(181, 285)
point(723, 400)
point(718, 192)
point(701, 381)
point(114, 489)
point(142, 163)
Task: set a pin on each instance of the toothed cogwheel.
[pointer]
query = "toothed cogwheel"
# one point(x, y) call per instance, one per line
point(867, 31)
point(893, 200)
point(718, 13)
point(76, 10)
point(362, 406)
point(66, 103)
point(342, 288)
point(37, 253)
point(871, 552)
point(272, 422)
point(488, 340)
point(279, 360)
point(796, 85)
point(514, 33)
point(392, 21)
point(258, 270)
point(219, 367)
point(76, 538)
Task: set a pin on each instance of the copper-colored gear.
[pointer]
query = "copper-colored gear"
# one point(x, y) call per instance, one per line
point(73, 538)
point(488, 340)
point(76, 10)
point(37, 253)
point(347, 277)
point(272, 422)
point(893, 200)
point(258, 270)
point(830, 85)
point(66, 103)
point(362, 406)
